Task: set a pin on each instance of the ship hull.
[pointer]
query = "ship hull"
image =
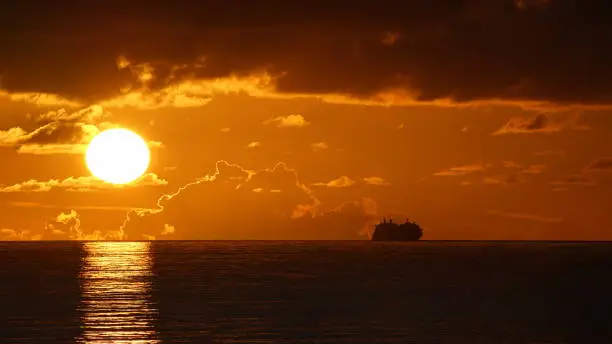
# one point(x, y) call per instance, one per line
point(394, 239)
point(390, 231)
point(381, 238)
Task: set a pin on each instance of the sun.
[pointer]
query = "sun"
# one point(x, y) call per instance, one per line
point(117, 156)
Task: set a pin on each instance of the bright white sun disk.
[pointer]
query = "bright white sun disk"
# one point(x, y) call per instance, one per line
point(117, 156)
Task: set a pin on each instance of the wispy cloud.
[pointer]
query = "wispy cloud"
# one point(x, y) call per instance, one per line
point(319, 146)
point(601, 165)
point(586, 177)
point(510, 164)
point(534, 169)
point(461, 170)
point(254, 144)
point(80, 184)
point(492, 180)
point(577, 179)
point(550, 153)
point(48, 149)
point(20, 204)
point(375, 181)
point(39, 99)
point(523, 216)
point(541, 123)
point(341, 182)
point(186, 93)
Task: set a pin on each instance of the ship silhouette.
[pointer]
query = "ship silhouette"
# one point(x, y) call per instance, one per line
point(390, 231)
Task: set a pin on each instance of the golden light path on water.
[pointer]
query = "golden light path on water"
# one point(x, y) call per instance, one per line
point(116, 286)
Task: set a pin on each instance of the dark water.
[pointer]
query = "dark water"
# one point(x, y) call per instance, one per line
point(305, 292)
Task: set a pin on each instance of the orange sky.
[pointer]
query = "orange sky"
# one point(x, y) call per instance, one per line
point(255, 136)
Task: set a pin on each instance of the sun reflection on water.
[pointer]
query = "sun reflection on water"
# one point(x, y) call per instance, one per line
point(115, 293)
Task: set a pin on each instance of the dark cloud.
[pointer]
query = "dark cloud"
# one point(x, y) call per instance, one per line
point(60, 132)
point(460, 50)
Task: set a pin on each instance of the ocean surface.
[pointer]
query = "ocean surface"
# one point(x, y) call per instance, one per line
point(305, 292)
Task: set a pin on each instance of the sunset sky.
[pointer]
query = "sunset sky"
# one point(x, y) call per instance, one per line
point(479, 119)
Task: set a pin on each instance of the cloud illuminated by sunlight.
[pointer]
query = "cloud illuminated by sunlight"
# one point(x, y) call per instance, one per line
point(81, 184)
point(39, 99)
point(461, 170)
point(341, 182)
point(288, 121)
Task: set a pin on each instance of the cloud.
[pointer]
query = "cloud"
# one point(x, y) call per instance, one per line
point(76, 207)
point(80, 184)
point(513, 178)
point(510, 164)
point(200, 209)
point(534, 169)
point(49, 134)
point(192, 92)
point(492, 180)
point(550, 153)
point(319, 146)
point(585, 177)
point(461, 170)
point(375, 181)
point(420, 52)
point(67, 226)
point(254, 144)
point(577, 179)
point(91, 114)
point(9, 234)
point(288, 121)
point(532, 4)
point(47, 149)
point(529, 217)
point(601, 165)
point(341, 182)
point(60, 132)
point(541, 123)
point(39, 99)
point(168, 229)
point(390, 38)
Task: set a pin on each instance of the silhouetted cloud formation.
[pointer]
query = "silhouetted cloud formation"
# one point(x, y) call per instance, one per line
point(541, 123)
point(59, 132)
point(282, 207)
point(527, 50)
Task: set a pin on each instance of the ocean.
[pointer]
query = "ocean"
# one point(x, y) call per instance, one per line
point(305, 292)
